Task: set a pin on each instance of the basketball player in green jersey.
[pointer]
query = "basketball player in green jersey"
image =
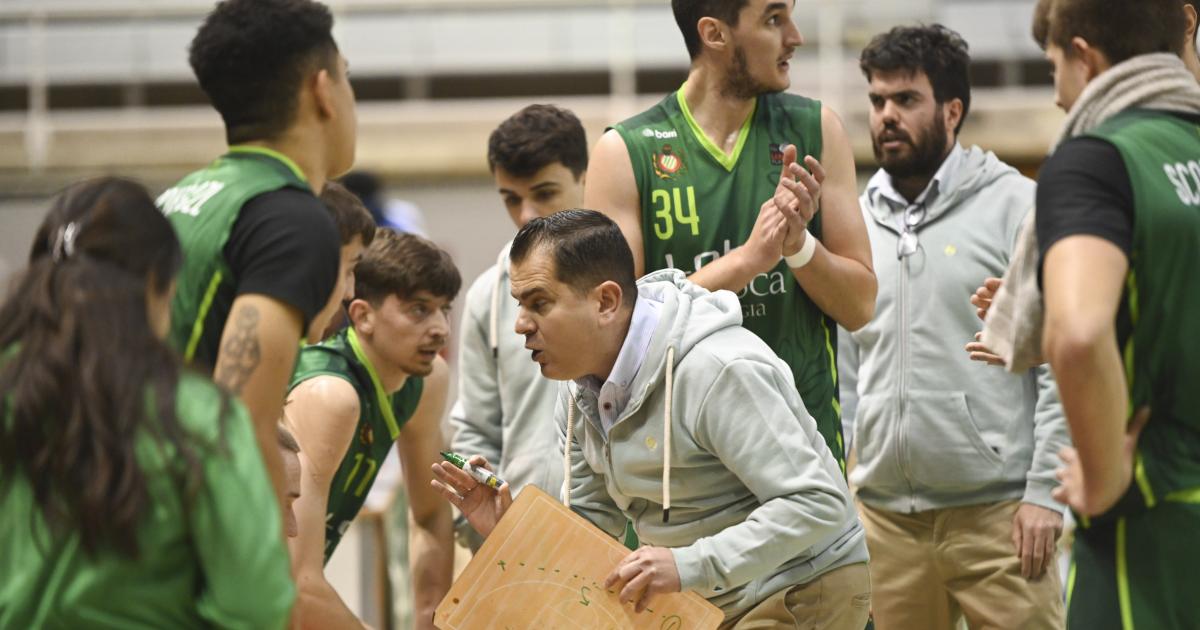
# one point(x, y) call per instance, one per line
point(707, 181)
point(353, 396)
point(260, 250)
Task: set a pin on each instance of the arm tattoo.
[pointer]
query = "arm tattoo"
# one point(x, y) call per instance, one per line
point(241, 353)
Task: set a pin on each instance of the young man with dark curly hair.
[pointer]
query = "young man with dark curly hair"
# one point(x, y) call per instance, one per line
point(538, 157)
point(260, 249)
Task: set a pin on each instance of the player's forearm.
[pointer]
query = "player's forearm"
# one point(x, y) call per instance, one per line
point(1091, 384)
point(431, 562)
point(255, 360)
point(732, 271)
point(318, 607)
point(842, 287)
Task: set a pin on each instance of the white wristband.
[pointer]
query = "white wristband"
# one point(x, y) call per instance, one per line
point(802, 257)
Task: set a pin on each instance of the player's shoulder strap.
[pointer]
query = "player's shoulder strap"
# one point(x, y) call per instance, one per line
point(795, 117)
point(332, 357)
point(646, 131)
point(405, 401)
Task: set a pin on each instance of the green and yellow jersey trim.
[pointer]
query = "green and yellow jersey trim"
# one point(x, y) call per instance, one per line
point(287, 161)
point(1070, 583)
point(198, 326)
point(1143, 482)
point(1190, 495)
point(727, 161)
point(383, 400)
point(1131, 289)
point(1123, 598)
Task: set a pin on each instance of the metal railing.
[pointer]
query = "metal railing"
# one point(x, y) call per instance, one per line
point(608, 36)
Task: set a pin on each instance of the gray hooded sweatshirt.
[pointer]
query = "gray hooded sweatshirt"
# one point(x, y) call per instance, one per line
point(504, 402)
point(932, 428)
point(750, 500)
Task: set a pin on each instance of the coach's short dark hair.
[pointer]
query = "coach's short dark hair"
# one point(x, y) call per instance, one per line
point(933, 49)
point(349, 213)
point(251, 57)
point(588, 249)
point(403, 265)
point(536, 136)
point(689, 12)
point(1121, 29)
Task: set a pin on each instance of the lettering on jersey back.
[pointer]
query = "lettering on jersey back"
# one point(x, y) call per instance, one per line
point(188, 199)
point(1185, 177)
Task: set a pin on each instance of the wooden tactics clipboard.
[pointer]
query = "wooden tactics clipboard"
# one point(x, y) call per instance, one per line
point(544, 567)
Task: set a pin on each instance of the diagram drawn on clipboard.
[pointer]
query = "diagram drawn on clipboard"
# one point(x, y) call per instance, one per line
point(544, 567)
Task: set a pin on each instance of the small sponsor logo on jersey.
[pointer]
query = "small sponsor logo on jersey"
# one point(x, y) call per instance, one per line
point(669, 134)
point(366, 435)
point(669, 163)
point(776, 153)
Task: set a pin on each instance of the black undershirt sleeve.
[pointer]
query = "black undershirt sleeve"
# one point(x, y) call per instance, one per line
point(285, 245)
point(1084, 189)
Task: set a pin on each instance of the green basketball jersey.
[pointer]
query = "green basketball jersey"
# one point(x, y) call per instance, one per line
point(698, 203)
point(379, 421)
point(209, 556)
point(202, 208)
point(1157, 315)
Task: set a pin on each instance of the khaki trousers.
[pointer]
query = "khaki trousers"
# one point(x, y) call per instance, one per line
point(837, 600)
point(929, 569)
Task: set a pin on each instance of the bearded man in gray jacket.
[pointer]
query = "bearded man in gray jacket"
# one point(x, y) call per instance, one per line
point(678, 419)
point(955, 461)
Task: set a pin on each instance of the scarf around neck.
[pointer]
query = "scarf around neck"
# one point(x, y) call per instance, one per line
point(1013, 329)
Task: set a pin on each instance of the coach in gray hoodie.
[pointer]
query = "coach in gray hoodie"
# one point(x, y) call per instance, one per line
point(678, 419)
point(955, 460)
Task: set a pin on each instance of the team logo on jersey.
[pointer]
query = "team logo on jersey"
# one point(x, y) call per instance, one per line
point(366, 435)
point(669, 163)
point(776, 153)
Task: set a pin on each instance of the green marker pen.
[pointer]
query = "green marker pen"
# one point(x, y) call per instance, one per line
point(482, 475)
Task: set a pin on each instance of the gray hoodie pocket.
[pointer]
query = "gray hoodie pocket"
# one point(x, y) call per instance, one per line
point(875, 444)
point(943, 448)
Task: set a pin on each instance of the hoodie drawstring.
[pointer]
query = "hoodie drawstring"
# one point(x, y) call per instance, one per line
point(493, 338)
point(566, 487)
point(666, 479)
point(666, 476)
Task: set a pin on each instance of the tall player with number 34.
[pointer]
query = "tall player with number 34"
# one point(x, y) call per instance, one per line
point(708, 181)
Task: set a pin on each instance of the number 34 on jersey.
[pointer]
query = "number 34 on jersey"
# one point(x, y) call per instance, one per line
point(670, 210)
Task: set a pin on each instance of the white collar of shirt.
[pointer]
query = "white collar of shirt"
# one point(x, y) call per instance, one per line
point(880, 184)
point(613, 395)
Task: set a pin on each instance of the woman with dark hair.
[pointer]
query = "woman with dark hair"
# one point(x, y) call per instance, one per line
point(132, 494)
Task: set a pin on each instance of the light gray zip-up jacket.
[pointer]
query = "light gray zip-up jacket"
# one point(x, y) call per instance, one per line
point(505, 407)
point(932, 428)
point(756, 501)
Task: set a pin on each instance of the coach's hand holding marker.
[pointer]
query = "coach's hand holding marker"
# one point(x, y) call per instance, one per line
point(480, 474)
point(469, 485)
